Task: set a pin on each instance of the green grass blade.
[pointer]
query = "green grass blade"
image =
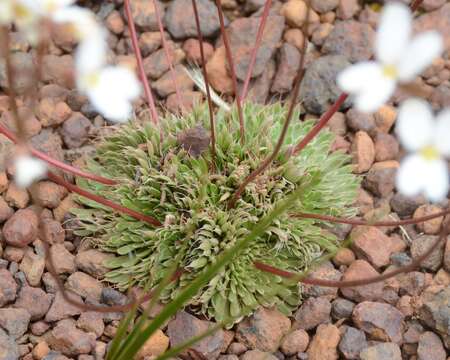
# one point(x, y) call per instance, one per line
point(171, 308)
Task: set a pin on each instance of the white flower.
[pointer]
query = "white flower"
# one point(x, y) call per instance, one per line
point(28, 170)
point(111, 91)
point(91, 53)
point(6, 12)
point(425, 171)
point(399, 58)
point(83, 22)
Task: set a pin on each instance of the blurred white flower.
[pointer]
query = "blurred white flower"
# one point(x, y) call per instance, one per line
point(83, 23)
point(27, 170)
point(111, 91)
point(425, 170)
point(399, 58)
point(6, 11)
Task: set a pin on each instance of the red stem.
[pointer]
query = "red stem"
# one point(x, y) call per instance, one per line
point(368, 223)
point(167, 54)
point(57, 163)
point(71, 187)
point(351, 283)
point(259, 36)
point(322, 122)
point(226, 42)
point(137, 53)
point(208, 92)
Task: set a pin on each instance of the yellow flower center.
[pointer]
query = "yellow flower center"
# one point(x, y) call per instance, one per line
point(51, 6)
point(429, 153)
point(390, 71)
point(91, 80)
point(21, 12)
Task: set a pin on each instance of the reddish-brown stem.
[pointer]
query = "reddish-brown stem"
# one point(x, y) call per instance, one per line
point(321, 123)
point(265, 164)
point(4, 43)
point(168, 56)
point(230, 61)
point(259, 36)
point(96, 308)
point(351, 283)
point(137, 53)
point(74, 188)
point(205, 76)
point(56, 163)
point(368, 223)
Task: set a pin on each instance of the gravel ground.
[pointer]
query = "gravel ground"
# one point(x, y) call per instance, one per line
point(407, 317)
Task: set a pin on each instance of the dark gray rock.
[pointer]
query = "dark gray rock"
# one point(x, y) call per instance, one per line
point(319, 90)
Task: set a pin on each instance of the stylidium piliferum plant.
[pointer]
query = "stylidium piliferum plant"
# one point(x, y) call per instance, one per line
point(223, 210)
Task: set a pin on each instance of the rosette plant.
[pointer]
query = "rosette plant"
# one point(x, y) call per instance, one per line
point(178, 182)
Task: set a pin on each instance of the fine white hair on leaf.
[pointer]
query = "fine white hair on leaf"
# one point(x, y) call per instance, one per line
point(197, 77)
point(27, 170)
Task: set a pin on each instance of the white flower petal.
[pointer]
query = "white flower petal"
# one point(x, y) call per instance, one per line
point(442, 132)
point(114, 91)
point(90, 55)
point(419, 54)
point(359, 76)
point(83, 21)
point(437, 180)
point(415, 125)
point(375, 95)
point(393, 33)
point(6, 12)
point(28, 170)
point(411, 175)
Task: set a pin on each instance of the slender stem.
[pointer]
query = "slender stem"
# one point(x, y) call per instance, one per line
point(226, 42)
point(56, 163)
point(168, 56)
point(97, 308)
point(351, 283)
point(137, 53)
point(265, 164)
point(5, 43)
point(368, 223)
point(208, 92)
point(259, 36)
point(71, 187)
point(322, 122)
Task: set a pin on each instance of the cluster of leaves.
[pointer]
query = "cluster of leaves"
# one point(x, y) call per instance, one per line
point(165, 180)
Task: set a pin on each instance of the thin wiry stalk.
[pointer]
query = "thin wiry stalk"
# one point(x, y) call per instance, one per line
point(265, 164)
point(320, 124)
point(259, 36)
point(368, 223)
point(137, 53)
point(168, 56)
point(226, 43)
point(74, 188)
point(208, 93)
point(335, 107)
point(4, 46)
point(97, 308)
point(351, 283)
point(56, 163)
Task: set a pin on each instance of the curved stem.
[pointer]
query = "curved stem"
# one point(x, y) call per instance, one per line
point(226, 43)
point(168, 56)
point(265, 164)
point(320, 124)
point(208, 92)
point(137, 53)
point(368, 223)
point(56, 163)
point(71, 187)
point(351, 283)
point(259, 36)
